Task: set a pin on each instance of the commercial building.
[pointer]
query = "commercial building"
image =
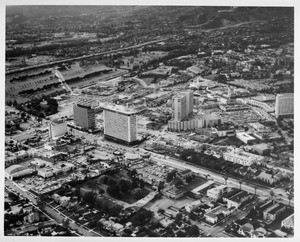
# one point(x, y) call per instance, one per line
point(57, 128)
point(245, 138)
point(237, 200)
point(18, 171)
point(194, 123)
point(120, 124)
point(196, 192)
point(173, 192)
point(262, 149)
point(84, 115)
point(284, 105)
point(272, 212)
point(215, 192)
point(241, 157)
point(183, 105)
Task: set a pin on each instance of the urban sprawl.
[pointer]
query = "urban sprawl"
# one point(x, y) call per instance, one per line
point(149, 126)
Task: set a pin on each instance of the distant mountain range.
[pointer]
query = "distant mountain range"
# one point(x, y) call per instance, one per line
point(206, 16)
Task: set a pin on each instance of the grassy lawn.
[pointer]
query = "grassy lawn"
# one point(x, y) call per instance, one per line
point(228, 141)
point(196, 182)
point(95, 184)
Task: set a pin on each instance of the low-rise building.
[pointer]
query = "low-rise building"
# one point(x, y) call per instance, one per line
point(173, 192)
point(18, 171)
point(211, 218)
point(237, 200)
point(246, 230)
point(196, 191)
point(241, 157)
point(272, 212)
point(262, 149)
point(216, 192)
point(245, 138)
point(269, 177)
point(184, 174)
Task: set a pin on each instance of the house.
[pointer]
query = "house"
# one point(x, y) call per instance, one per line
point(32, 217)
point(173, 192)
point(56, 197)
point(237, 200)
point(192, 206)
point(27, 209)
point(211, 217)
point(184, 174)
point(117, 228)
point(64, 201)
point(216, 192)
point(16, 209)
point(268, 177)
point(280, 233)
point(259, 233)
point(246, 230)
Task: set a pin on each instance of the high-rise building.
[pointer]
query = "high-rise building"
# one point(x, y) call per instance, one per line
point(84, 115)
point(183, 105)
point(120, 124)
point(284, 105)
point(57, 128)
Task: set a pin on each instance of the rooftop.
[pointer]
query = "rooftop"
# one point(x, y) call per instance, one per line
point(119, 109)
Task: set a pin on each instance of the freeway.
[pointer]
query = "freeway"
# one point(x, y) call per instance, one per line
point(85, 56)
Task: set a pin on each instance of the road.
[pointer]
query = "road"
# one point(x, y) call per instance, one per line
point(261, 191)
point(232, 182)
point(86, 56)
point(54, 213)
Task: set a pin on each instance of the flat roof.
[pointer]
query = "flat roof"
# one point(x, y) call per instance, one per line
point(119, 109)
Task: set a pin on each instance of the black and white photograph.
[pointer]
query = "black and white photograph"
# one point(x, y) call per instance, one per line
point(141, 120)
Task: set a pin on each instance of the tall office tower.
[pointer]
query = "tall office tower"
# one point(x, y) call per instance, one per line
point(189, 102)
point(284, 105)
point(182, 105)
point(84, 115)
point(57, 128)
point(120, 124)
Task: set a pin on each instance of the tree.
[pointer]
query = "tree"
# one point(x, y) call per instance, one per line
point(114, 190)
point(240, 184)
point(101, 191)
point(180, 233)
point(138, 193)
point(125, 185)
point(255, 188)
point(161, 210)
point(189, 179)
point(272, 194)
point(142, 217)
point(178, 217)
point(103, 179)
point(89, 197)
point(290, 196)
point(225, 178)
point(193, 231)
point(160, 186)
point(171, 175)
